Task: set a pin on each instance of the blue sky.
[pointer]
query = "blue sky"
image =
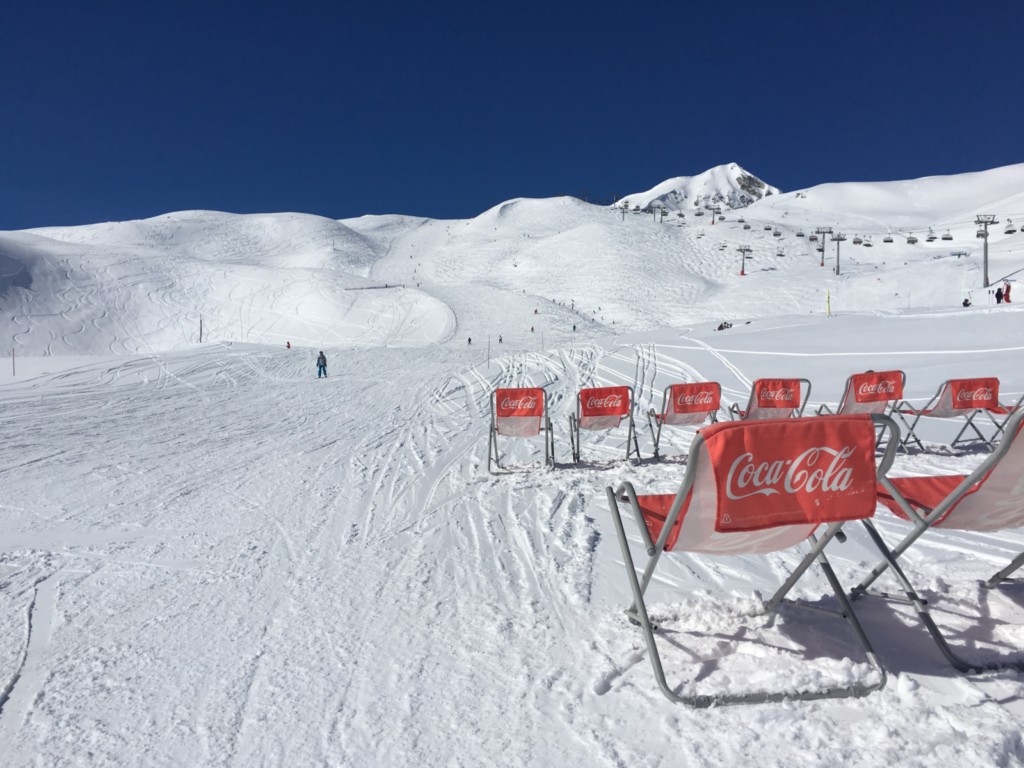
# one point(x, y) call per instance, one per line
point(116, 111)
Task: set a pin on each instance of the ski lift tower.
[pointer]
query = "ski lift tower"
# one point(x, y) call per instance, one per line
point(715, 211)
point(823, 231)
point(744, 250)
point(837, 238)
point(983, 221)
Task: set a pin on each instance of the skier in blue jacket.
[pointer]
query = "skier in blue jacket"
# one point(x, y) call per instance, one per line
point(321, 365)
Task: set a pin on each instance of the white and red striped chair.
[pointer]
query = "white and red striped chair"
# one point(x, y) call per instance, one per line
point(685, 405)
point(991, 498)
point(519, 412)
point(601, 408)
point(774, 399)
point(869, 392)
point(757, 487)
point(957, 399)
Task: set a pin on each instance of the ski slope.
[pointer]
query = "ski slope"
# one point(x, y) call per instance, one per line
point(209, 557)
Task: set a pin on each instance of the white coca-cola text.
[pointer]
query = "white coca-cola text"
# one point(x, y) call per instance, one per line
point(706, 397)
point(886, 387)
point(807, 472)
point(776, 394)
point(609, 401)
point(975, 394)
point(528, 403)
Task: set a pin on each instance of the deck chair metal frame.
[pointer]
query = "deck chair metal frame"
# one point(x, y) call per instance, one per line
point(753, 411)
point(939, 408)
point(698, 457)
point(576, 421)
point(973, 489)
point(684, 418)
point(543, 426)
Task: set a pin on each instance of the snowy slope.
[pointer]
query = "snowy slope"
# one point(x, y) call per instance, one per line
point(209, 557)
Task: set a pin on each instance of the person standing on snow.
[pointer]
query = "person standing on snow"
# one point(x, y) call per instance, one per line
point(999, 295)
point(321, 365)
point(1006, 292)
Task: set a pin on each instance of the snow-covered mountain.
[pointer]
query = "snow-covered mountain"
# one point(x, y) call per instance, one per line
point(210, 557)
point(727, 186)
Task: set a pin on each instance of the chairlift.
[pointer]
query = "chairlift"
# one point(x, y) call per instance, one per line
point(741, 220)
point(820, 249)
point(781, 253)
point(767, 227)
point(1010, 229)
point(857, 240)
point(813, 238)
point(911, 240)
point(799, 233)
point(887, 238)
point(982, 233)
point(867, 242)
point(931, 237)
point(699, 213)
point(776, 233)
point(947, 236)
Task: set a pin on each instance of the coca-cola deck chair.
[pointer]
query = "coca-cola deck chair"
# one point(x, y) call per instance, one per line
point(956, 399)
point(991, 498)
point(774, 399)
point(685, 405)
point(757, 487)
point(869, 392)
point(599, 408)
point(519, 412)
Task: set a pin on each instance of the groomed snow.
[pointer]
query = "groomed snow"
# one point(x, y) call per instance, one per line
point(210, 557)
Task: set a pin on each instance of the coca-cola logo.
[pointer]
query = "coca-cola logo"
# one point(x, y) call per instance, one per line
point(887, 387)
point(972, 395)
point(776, 394)
point(609, 401)
point(821, 468)
point(699, 398)
point(520, 404)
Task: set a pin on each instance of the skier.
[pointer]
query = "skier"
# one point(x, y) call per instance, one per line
point(499, 339)
point(1006, 292)
point(967, 302)
point(999, 295)
point(288, 344)
point(469, 340)
point(321, 365)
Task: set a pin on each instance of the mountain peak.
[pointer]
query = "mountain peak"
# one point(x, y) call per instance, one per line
point(728, 185)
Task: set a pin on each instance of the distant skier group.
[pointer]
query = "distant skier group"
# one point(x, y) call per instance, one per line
point(1003, 293)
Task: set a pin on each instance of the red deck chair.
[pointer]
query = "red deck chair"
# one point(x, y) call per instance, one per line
point(869, 392)
point(520, 412)
point(756, 487)
point(774, 399)
point(956, 399)
point(600, 408)
point(991, 498)
point(685, 405)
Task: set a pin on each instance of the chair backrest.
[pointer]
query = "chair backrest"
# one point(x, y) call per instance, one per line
point(957, 396)
point(994, 500)
point(690, 404)
point(775, 398)
point(872, 391)
point(519, 412)
point(603, 407)
point(767, 485)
